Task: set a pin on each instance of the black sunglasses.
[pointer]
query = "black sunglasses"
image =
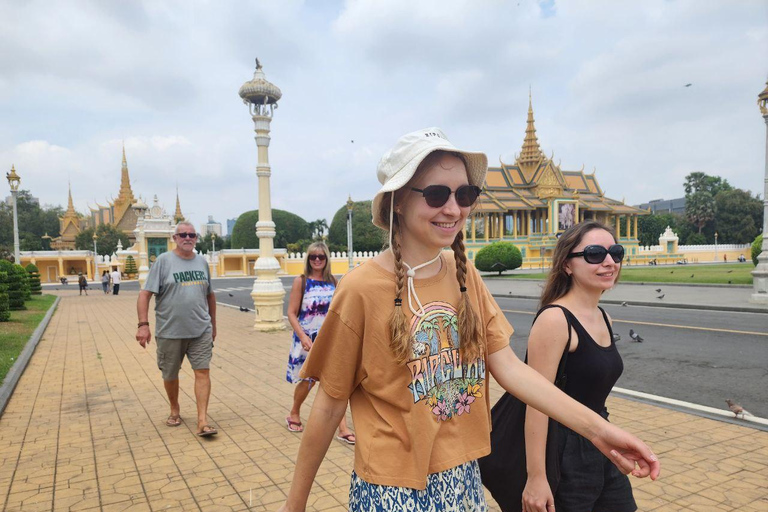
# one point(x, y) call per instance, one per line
point(595, 254)
point(313, 257)
point(437, 195)
point(186, 235)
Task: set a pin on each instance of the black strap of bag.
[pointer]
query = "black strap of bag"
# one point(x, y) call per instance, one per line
point(504, 472)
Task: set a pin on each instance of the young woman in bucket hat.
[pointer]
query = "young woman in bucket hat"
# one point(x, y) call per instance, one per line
point(409, 339)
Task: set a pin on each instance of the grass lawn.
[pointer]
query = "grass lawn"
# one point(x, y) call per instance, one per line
point(731, 273)
point(15, 333)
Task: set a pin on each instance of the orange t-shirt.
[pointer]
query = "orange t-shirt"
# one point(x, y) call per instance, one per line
point(423, 417)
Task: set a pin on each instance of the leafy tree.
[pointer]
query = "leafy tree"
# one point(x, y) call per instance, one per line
point(650, 227)
point(757, 247)
point(289, 228)
point(739, 216)
point(5, 312)
point(34, 280)
point(106, 243)
point(16, 291)
point(695, 239)
point(205, 243)
point(130, 266)
point(498, 257)
point(697, 182)
point(34, 222)
point(318, 229)
point(365, 236)
point(700, 209)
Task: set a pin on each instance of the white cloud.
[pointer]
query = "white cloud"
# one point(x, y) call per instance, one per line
point(81, 77)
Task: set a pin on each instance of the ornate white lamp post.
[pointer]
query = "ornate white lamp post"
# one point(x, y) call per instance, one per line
point(213, 255)
point(95, 261)
point(715, 246)
point(140, 207)
point(13, 181)
point(261, 97)
point(350, 207)
point(760, 274)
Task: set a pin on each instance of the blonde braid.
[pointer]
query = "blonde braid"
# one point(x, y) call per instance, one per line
point(470, 333)
point(401, 340)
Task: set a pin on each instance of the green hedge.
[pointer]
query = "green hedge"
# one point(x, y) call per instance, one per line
point(498, 257)
point(757, 247)
point(5, 313)
point(15, 282)
point(289, 228)
point(34, 280)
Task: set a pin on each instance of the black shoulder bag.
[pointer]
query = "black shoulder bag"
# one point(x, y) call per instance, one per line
point(504, 470)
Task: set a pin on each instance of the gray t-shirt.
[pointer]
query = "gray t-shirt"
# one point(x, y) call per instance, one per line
point(181, 289)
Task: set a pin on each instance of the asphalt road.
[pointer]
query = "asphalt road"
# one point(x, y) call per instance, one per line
point(697, 356)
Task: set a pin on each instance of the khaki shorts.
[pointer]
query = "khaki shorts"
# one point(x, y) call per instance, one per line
point(171, 352)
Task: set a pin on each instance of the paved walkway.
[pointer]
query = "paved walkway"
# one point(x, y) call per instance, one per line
point(85, 430)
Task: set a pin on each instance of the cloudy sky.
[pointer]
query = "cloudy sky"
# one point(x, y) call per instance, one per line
point(77, 78)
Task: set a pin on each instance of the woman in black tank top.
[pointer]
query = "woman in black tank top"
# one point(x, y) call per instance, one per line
point(586, 263)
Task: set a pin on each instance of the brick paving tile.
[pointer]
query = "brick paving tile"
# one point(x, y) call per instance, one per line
point(85, 430)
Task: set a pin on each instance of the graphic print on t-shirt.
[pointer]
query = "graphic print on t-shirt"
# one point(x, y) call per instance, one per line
point(439, 377)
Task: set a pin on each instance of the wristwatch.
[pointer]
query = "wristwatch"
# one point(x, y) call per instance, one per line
point(143, 323)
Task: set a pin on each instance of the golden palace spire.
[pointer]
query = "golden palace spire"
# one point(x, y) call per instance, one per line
point(125, 197)
point(178, 216)
point(531, 152)
point(70, 204)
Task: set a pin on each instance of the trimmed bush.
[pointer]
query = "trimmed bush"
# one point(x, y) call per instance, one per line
point(34, 280)
point(365, 236)
point(289, 229)
point(24, 277)
point(498, 257)
point(130, 266)
point(16, 291)
point(757, 247)
point(5, 313)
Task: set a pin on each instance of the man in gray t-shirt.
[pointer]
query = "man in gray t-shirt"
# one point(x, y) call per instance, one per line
point(185, 313)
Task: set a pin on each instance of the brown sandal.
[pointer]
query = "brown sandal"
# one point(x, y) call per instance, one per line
point(173, 421)
point(207, 431)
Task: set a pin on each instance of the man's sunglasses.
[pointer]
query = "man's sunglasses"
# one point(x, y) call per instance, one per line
point(187, 235)
point(595, 254)
point(314, 257)
point(437, 195)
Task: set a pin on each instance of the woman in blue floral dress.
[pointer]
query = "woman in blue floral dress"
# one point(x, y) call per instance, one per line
point(308, 304)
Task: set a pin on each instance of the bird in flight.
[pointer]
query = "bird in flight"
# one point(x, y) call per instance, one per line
point(688, 85)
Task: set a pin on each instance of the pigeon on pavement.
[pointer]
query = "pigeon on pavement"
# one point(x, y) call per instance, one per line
point(736, 409)
point(661, 296)
point(616, 337)
point(624, 304)
point(230, 295)
point(244, 310)
point(658, 290)
point(635, 336)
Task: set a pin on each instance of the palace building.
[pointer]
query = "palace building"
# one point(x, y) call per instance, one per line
point(118, 212)
point(531, 201)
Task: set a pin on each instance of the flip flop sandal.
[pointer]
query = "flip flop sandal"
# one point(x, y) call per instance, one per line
point(207, 431)
point(346, 439)
point(294, 426)
point(173, 421)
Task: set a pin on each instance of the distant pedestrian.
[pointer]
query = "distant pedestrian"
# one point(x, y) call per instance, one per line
point(83, 283)
point(725, 258)
point(308, 305)
point(115, 275)
point(585, 264)
point(185, 312)
point(105, 282)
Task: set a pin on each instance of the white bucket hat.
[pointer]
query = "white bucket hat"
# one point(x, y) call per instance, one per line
point(398, 165)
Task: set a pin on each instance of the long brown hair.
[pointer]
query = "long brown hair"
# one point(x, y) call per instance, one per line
point(327, 274)
point(471, 338)
point(559, 282)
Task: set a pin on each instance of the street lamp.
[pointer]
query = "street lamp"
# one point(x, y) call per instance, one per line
point(268, 293)
point(715, 246)
point(350, 207)
point(213, 255)
point(760, 274)
point(95, 256)
point(13, 181)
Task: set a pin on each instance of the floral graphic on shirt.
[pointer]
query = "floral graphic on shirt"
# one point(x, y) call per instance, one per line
point(439, 376)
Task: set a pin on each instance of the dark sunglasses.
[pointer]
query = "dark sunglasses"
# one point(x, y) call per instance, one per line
point(595, 254)
point(320, 257)
point(437, 195)
point(186, 235)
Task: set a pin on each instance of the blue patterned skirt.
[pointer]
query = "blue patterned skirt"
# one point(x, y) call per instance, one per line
point(457, 489)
